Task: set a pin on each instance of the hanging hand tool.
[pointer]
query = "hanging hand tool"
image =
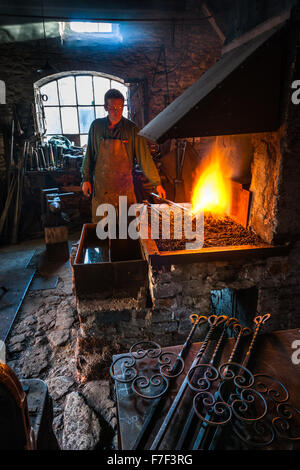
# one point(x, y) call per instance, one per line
point(46, 164)
point(47, 156)
point(52, 156)
point(178, 181)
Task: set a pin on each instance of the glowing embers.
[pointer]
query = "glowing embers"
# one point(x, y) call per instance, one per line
point(212, 190)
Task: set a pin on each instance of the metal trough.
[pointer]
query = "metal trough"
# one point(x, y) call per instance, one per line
point(114, 268)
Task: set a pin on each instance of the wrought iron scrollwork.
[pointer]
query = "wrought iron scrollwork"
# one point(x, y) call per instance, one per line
point(211, 410)
point(240, 375)
point(209, 374)
point(126, 367)
point(281, 420)
point(153, 387)
point(171, 365)
point(249, 405)
point(272, 387)
point(165, 365)
point(287, 423)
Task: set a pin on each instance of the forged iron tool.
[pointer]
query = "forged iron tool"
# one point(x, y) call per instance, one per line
point(170, 203)
point(231, 321)
point(259, 321)
point(204, 432)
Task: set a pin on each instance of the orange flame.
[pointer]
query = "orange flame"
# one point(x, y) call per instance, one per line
point(212, 191)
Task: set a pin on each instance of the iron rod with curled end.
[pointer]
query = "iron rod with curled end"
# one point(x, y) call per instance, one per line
point(204, 433)
point(214, 321)
point(192, 414)
point(196, 319)
point(259, 321)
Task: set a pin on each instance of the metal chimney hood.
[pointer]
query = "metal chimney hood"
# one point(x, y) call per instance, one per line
point(239, 94)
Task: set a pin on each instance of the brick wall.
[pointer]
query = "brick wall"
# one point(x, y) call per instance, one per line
point(189, 51)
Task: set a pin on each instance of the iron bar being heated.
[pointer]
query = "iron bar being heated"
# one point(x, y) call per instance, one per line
point(171, 203)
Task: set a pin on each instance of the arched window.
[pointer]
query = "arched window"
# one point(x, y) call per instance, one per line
point(72, 101)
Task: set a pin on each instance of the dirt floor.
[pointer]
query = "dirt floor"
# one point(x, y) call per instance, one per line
point(41, 344)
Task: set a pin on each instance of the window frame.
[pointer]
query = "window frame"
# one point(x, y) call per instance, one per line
point(113, 32)
point(55, 78)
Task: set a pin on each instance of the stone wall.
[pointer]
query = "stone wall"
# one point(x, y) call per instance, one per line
point(42, 344)
point(185, 288)
point(288, 201)
point(189, 51)
point(264, 184)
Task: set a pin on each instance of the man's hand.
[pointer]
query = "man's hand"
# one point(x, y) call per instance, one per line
point(86, 188)
point(161, 192)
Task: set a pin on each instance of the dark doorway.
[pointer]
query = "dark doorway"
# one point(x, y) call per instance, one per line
point(239, 303)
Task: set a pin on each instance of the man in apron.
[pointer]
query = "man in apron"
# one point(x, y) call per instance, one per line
point(113, 143)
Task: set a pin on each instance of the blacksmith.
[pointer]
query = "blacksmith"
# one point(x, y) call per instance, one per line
point(113, 142)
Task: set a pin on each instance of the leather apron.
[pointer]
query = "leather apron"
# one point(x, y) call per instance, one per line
point(112, 176)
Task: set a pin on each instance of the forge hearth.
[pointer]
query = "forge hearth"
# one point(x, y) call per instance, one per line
point(181, 284)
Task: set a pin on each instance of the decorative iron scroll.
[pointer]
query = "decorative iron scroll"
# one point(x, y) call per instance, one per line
point(225, 393)
point(147, 382)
